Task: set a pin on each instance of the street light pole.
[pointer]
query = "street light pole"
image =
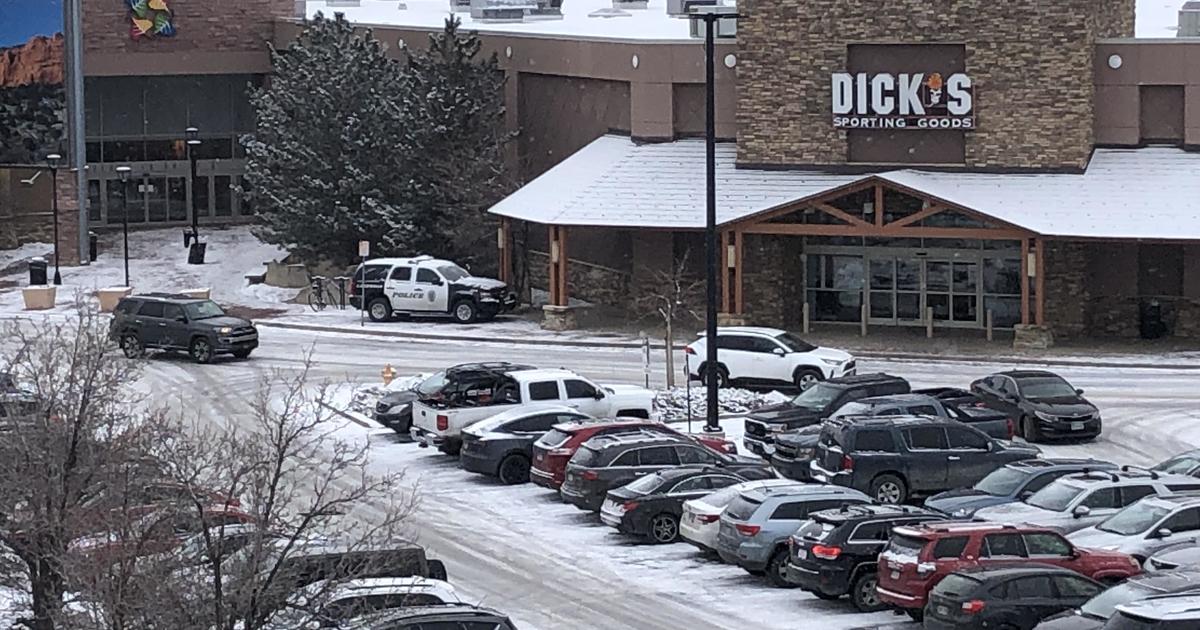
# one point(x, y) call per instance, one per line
point(712, 406)
point(193, 142)
point(124, 172)
point(52, 162)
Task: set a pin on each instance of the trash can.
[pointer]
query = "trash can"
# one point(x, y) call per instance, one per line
point(187, 237)
point(93, 246)
point(1151, 324)
point(196, 253)
point(37, 271)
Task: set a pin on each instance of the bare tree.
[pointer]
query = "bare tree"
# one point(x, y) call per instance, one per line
point(671, 295)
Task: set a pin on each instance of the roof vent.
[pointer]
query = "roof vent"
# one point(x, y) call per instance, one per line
point(1189, 20)
point(501, 10)
point(681, 8)
point(630, 4)
point(608, 12)
point(725, 28)
point(460, 6)
point(342, 3)
point(545, 10)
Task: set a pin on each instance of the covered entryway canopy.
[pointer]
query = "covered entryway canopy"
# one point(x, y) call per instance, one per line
point(1138, 194)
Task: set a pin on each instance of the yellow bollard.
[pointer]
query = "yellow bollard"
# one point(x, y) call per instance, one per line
point(389, 374)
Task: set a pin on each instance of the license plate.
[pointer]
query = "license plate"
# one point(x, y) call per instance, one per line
point(801, 553)
point(895, 575)
point(1076, 426)
point(942, 610)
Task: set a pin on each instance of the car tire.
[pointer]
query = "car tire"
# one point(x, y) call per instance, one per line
point(132, 346)
point(241, 354)
point(826, 596)
point(863, 595)
point(513, 470)
point(888, 489)
point(464, 312)
point(664, 529)
point(776, 568)
point(916, 614)
point(721, 374)
point(1030, 429)
point(805, 378)
point(379, 310)
point(201, 350)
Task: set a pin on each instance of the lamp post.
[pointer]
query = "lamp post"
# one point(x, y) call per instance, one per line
point(124, 172)
point(710, 17)
point(52, 162)
point(195, 254)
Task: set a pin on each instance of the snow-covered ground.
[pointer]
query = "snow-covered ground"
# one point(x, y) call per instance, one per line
point(158, 262)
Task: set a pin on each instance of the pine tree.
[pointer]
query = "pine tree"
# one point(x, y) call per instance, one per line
point(321, 167)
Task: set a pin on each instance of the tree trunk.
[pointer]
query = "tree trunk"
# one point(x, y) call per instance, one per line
point(670, 339)
point(46, 595)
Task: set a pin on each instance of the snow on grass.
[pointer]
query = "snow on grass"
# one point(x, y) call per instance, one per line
point(10, 257)
point(672, 404)
point(158, 262)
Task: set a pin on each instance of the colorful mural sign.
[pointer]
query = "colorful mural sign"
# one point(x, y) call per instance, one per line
point(151, 18)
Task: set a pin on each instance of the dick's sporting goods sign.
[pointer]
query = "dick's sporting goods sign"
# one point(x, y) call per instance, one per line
point(902, 101)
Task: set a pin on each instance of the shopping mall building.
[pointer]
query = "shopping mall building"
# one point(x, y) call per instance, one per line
point(965, 162)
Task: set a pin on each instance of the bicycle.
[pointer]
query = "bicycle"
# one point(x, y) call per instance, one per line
point(321, 293)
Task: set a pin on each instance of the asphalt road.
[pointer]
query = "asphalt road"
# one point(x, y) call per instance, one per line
point(1149, 414)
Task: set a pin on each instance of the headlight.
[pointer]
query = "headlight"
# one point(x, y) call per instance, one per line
point(1044, 416)
point(225, 330)
point(834, 362)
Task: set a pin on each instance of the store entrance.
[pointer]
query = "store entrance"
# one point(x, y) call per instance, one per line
point(903, 287)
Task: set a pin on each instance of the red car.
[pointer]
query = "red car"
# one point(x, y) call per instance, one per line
point(918, 557)
point(552, 452)
point(157, 532)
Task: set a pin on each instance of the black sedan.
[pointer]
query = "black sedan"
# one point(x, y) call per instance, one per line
point(1042, 404)
point(650, 507)
point(502, 445)
point(1014, 596)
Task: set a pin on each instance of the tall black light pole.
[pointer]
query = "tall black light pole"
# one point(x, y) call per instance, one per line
point(52, 162)
point(710, 18)
point(124, 172)
point(195, 257)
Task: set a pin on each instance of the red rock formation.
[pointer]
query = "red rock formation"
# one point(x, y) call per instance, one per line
point(40, 60)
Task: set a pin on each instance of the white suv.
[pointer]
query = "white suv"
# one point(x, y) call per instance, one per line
point(766, 357)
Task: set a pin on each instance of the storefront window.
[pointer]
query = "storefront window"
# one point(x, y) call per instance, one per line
point(93, 200)
point(223, 195)
point(177, 199)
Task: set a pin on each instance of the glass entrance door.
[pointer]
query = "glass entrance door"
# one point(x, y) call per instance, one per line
point(902, 287)
point(952, 291)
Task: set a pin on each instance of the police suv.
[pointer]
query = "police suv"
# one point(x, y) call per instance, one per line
point(426, 285)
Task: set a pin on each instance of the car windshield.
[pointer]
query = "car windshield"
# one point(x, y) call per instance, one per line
point(1002, 482)
point(585, 456)
point(1182, 465)
point(794, 343)
point(955, 585)
point(645, 485)
point(1055, 497)
point(817, 397)
point(853, 409)
point(1105, 604)
point(453, 273)
point(433, 384)
point(722, 497)
point(1044, 387)
point(553, 439)
point(1135, 518)
point(203, 310)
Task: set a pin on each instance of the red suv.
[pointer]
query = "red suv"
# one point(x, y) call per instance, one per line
point(918, 557)
point(552, 452)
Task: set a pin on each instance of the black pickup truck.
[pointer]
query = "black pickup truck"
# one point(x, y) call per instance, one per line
point(794, 450)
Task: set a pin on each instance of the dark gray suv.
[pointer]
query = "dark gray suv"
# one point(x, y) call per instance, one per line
point(897, 457)
point(165, 321)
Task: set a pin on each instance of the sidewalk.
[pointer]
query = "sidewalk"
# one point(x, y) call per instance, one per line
point(880, 344)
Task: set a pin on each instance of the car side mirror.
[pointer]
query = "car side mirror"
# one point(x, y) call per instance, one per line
point(1079, 391)
point(1081, 511)
point(1025, 494)
point(1163, 533)
point(778, 352)
point(599, 395)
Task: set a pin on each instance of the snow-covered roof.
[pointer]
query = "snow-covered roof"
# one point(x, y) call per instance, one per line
point(649, 24)
point(1155, 19)
point(1144, 193)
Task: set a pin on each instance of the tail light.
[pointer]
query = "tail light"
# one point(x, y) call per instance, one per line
point(1009, 428)
point(847, 462)
point(353, 286)
point(630, 506)
point(708, 518)
point(973, 607)
point(560, 452)
point(590, 475)
point(748, 530)
point(443, 423)
point(826, 553)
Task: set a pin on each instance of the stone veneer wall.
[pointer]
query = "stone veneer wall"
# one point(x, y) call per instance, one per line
point(585, 281)
point(772, 280)
point(1067, 295)
point(1031, 63)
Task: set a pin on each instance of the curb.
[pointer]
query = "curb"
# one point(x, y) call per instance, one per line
point(570, 343)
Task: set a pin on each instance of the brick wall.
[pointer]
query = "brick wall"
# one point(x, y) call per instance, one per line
point(211, 25)
point(1031, 63)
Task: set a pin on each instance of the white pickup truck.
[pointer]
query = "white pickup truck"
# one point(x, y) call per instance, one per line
point(440, 424)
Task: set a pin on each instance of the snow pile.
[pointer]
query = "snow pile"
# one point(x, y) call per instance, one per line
point(672, 404)
point(364, 399)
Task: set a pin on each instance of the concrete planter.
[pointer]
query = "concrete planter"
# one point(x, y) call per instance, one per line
point(201, 294)
point(39, 298)
point(110, 296)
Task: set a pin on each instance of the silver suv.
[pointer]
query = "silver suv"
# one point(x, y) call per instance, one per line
point(1074, 502)
point(757, 525)
point(1146, 527)
point(1168, 612)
